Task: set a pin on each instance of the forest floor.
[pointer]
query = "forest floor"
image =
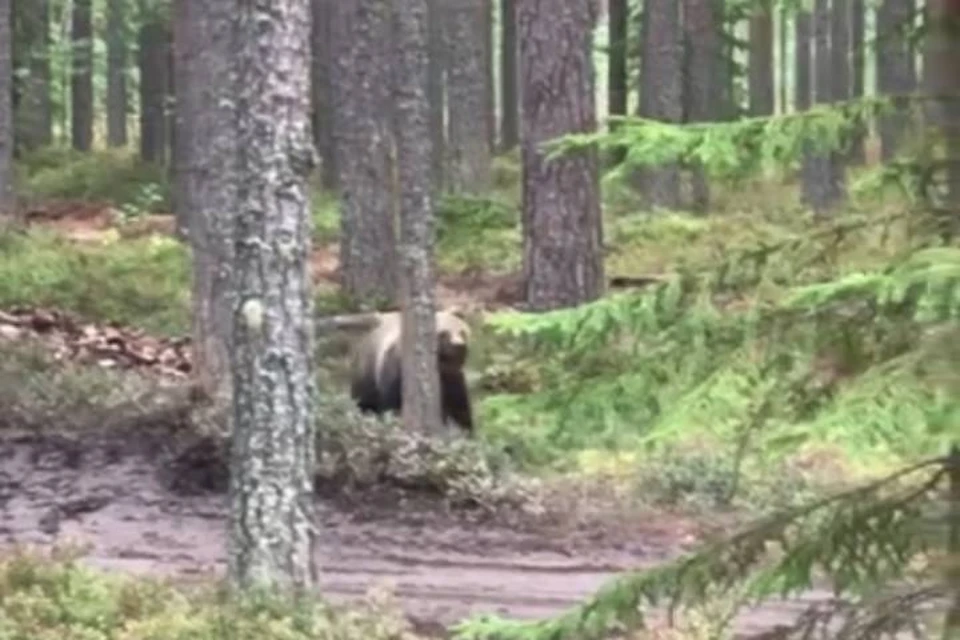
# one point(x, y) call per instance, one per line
point(112, 493)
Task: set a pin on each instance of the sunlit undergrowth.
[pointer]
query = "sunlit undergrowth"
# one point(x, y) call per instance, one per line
point(735, 356)
point(54, 596)
point(838, 340)
point(141, 282)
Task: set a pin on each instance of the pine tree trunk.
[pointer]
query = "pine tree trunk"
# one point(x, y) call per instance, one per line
point(205, 182)
point(6, 113)
point(362, 125)
point(823, 184)
point(272, 529)
point(421, 384)
point(116, 74)
point(321, 90)
point(761, 60)
point(153, 91)
point(489, 86)
point(942, 82)
point(509, 101)
point(803, 61)
point(436, 92)
point(858, 70)
point(34, 124)
point(81, 81)
point(703, 91)
point(840, 49)
point(468, 151)
point(784, 66)
point(896, 71)
point(661, 91)
point(562, 228)
point(617, 66)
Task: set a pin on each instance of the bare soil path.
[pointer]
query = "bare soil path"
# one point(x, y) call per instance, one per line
point(111, 498)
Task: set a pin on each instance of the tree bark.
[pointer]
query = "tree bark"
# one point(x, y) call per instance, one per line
point(942, 82)
point(6, 113)
point(116, 73)
point(206, 181)
point(703, 90)
point(34, 118)
point(509, 101)
point(858, 72)
point(468, 150)
point(363, 122)
point(761, 60)
point(840, 49)
point(823, 185)
point(81, 80)
point(661, 91)
point(489, 88)
point(562, 227)
point(421, 383)
point(154, 83)
point(322, 88)
point(896, 71)
point(273, 447)
point(436, 92)
point(617, 66)
point(802, 60)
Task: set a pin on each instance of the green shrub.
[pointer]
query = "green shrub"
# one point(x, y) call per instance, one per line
point(55, 597)
point(141, 282)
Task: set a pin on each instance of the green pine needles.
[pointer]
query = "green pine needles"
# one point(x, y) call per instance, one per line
point(859, 543)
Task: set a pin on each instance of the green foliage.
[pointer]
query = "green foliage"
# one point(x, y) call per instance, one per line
point(477, 233)
point(358, 451)
point(112, 176)
point(735, 149)
point(856, 541)
point(139, 282)
point(767, 352)
point(50, 598)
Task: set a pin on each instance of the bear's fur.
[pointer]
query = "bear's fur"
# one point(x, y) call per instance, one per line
point(377, 368)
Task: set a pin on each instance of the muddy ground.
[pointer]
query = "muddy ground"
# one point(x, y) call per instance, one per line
point(113, 495)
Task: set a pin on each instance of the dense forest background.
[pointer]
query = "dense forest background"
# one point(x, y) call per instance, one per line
point(708, 249)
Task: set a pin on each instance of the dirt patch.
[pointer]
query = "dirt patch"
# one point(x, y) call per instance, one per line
point(108, 494)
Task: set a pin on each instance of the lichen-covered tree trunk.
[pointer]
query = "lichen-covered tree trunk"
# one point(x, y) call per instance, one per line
point(823, 179)
point(436, 92)
point(321, 89)
point(896, 71)
point(858, 73)
point(421, 385)
point(34, 118)
point(362, 124)
point(761, 60)
point(205, 179)
point(272, 531)
point(81, 79)
point(468, 151)
point(6, 113)
point(661, 91)
point(703, 70)
point(153, 62)
point(116, 73)
point(562, 228)
point(509, 101)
